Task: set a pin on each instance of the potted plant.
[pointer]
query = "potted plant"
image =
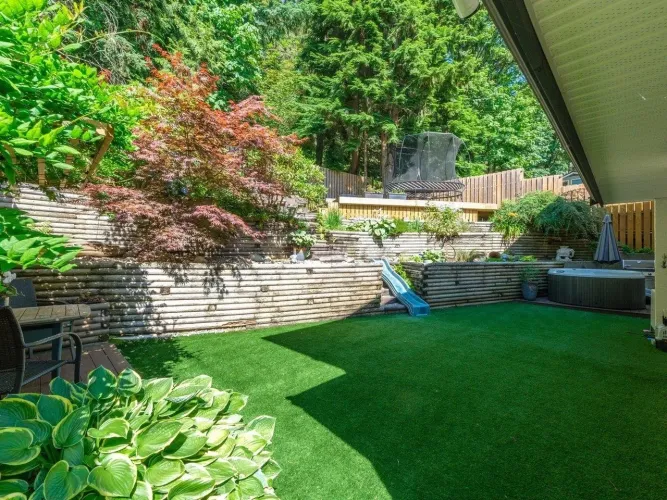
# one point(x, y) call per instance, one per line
point(529, 275)
point(398, 195)
point(374, 189)
point(301, 242)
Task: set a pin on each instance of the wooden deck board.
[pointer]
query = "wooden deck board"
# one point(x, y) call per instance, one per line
point(94, 355)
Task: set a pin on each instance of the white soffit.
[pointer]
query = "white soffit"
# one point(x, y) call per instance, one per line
point(609, 58)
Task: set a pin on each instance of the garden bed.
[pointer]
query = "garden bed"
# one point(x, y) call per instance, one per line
point(445, 284)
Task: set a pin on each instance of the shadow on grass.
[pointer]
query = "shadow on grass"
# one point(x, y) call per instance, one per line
point(156, 358)
point(509, 410)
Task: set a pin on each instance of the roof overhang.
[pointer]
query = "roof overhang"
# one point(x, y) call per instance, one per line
point(598, 68)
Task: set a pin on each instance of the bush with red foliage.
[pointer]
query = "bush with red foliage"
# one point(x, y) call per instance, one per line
point(190, 156)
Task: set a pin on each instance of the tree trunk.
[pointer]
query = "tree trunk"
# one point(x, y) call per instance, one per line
point(366, 158)
point(319, 149)
point(354, 165)
point(384, 163)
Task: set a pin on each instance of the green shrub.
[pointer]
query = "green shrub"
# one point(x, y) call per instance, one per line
point(444, 223)
point(574, 218)
point(547, 213)
point(124, 437)
point(431, 255)
point(379, 229)
point(300, 238)
point(529, 274)
point(467, 255)
point(527, 258)
point(629, 250)
point(516, 217)
point(329, 219)
point(400, 270)
point(415, 226)
point(23, 245)
point(494, 259)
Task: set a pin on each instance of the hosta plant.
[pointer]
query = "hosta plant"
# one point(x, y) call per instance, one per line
point(124, 437)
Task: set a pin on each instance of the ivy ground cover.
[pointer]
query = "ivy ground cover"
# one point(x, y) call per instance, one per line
point(496, 401)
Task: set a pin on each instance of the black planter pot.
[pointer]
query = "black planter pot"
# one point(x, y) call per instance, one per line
point(373, 195)
point(529, 291)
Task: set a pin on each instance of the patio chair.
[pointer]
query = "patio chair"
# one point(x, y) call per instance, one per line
point(15, 369)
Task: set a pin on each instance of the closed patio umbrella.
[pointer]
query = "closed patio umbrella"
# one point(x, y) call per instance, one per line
point(607, 251)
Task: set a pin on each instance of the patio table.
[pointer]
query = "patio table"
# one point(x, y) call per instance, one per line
point(34, 319)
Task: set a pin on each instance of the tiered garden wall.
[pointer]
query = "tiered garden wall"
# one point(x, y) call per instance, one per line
point(173, 298)
point(70, 216)
point(459, 283)
point(363, 246)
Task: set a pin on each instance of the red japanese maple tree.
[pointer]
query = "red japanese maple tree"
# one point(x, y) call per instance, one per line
point(190, 156)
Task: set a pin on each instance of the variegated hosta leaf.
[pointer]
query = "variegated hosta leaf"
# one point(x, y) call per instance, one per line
point(116, 476)
point(185, 445)
point(252, 441)
point(191, 489)
point(189, 388)
point(221, 471)
point(16, 446)
point(101, 383)
point(129, 383)
point(250, 488)
point(15, 410)
point(40, 429)
point(72, 428)
point(53, 409)
point(164, 471)
point(264, 425)
point(244, 467)
point(8, 486)
point(156, 437)
point(157, 388)
point(142, 491)
point(216, 436)
point(237, 402)
point(114, 427)
point(63, 482)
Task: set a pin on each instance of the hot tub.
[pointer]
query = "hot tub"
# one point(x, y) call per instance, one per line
point(601, 288)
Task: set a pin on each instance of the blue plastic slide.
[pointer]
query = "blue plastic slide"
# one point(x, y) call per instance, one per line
point(403, 293)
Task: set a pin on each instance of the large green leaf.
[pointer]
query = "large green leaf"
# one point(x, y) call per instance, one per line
point(156, 437)
point(251, 441)
point(63, 482)
point(237, 402)
point(129, 383)
point(61, 387)
point(115, 476)
point(216, 435)
point(114, 427)
point(157, 388)
point(13, 486)
point(191, 489)
point(244, 467)
point(15, 410)
point(101, 383)
point(75, 454)
point(142, 491)
point(53, 408)
point(16, 446)
point(250, 488)
point(40, 429)
point(72, 428)
point(221, 471)
point(264, 425)
point(164, 471)
point(185, 445)
point(271, 469)
point(189, 388)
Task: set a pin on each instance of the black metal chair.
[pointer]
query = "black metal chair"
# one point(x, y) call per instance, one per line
point(15, 369)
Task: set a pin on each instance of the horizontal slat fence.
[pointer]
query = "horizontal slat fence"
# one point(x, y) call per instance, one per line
point(458, 283)
point(72, 217)
point(166, 298)
point(342, 183)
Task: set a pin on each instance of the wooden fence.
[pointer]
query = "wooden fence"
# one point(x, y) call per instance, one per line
point(633, 223)
point(342, 183)
point(507, 185)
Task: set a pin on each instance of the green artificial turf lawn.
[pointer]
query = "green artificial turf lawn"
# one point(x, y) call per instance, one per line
point(497, 401)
